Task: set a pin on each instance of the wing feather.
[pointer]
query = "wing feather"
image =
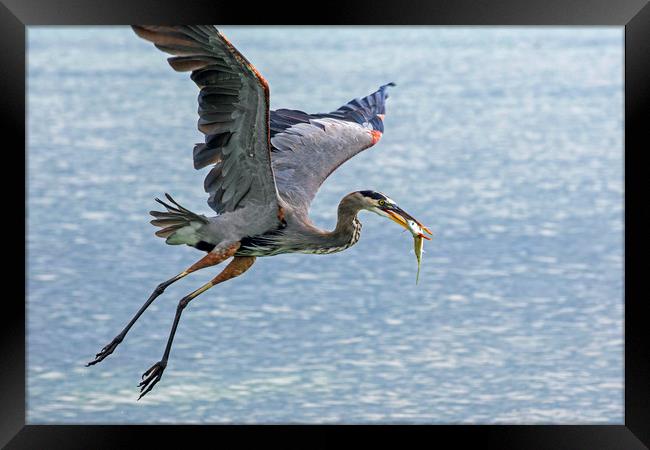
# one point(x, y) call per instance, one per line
point(233, 107)
point(307, 148)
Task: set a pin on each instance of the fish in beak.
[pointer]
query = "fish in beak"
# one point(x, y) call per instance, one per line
point(401, 217)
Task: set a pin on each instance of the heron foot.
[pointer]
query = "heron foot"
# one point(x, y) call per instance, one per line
point(151, 377)
point(107, 350)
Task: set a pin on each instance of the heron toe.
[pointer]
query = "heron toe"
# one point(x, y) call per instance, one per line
point(107, 350)
point(151, 377)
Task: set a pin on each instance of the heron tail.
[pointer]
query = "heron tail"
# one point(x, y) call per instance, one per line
point(178, 224)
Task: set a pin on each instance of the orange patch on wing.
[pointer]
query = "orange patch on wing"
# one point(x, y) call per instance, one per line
point(376, 135)
point(259, 76)
point(242, 59)
point(381, 116)
point(281, 216)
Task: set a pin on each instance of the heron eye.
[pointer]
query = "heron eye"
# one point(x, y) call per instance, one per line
point(381, 202)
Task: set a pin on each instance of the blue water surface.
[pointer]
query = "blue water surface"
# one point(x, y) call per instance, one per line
point(507, 142)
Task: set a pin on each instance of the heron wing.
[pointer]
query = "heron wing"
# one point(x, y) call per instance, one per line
point(233, 114)
point(307, 148)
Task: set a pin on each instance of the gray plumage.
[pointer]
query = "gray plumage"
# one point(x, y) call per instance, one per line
point(233, 115)
point(267, 165)
point(302, 236)
point(308, 153)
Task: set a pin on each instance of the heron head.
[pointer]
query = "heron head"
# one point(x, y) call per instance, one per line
point(384, 206)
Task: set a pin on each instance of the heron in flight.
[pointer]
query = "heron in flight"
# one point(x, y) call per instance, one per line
point(266, 168)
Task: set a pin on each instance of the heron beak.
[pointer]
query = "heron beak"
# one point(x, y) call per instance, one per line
point(399, 216)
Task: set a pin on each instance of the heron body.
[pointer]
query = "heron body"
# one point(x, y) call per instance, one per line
point(300, 236)
point(266, 167)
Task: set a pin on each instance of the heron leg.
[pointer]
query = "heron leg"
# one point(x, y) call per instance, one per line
point(208, 260)
point(237, 266)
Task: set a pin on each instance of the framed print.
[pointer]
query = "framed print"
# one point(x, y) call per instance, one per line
point(508, 132)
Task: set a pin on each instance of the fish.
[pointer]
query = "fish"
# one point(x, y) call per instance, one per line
point(418, 242)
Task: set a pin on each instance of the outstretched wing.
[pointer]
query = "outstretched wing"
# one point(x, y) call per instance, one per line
point(233, 114)
point(307, 148)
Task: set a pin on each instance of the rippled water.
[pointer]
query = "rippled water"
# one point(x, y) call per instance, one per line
point(506, 141)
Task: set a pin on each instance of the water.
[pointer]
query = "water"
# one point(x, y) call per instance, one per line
point(507, 142)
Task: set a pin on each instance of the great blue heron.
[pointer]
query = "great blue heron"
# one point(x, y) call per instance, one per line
point(267, 167)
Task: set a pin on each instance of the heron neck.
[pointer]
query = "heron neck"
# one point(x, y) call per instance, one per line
point(347, 222)
point(346, 233)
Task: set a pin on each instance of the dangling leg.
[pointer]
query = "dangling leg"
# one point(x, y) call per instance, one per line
point(237, 266)
point(208, 260)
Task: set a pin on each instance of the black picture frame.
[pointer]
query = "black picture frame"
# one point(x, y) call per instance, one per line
point(634, 15)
